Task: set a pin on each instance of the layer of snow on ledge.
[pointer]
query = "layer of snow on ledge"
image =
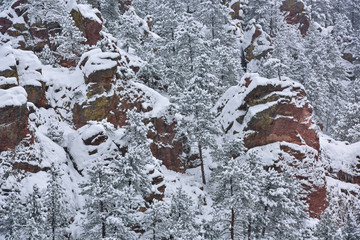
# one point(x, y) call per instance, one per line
point(97, 60)
point(88, 12)
point(341, 155)
point(29, 68)
point(8, 81)
point(7, 58)
point(89, 131)
point(155, 100)
point(15, 96)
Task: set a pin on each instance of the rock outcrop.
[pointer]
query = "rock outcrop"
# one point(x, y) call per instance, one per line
point(275, 116)
point(15, 26)
point(23, 68)
point(109, 96)
point(13, 117)
point(296, 14)
point(89, 24)
point(256, 42)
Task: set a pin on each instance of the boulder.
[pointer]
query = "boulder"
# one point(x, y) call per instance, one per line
point(296, 14)
point(13, 117)
point(164, 147)
point(257, 43)
point(88, 21)
point(5, 24)
point(275, 117)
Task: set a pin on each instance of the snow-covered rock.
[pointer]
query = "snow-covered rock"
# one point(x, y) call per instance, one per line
point(275, 118)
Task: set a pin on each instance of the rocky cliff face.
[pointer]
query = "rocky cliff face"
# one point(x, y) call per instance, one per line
point(275, 117)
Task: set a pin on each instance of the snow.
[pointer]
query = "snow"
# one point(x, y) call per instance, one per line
point(7, 58)
point(8, 81)
point(15, 96)
point(91, 131)
point(29, 68)
point(340, 155)
point(234, 97)
point(155, 100)
point(87, 12)
point(97, 60)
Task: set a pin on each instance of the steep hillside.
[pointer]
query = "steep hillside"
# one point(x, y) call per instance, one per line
point(175, 120)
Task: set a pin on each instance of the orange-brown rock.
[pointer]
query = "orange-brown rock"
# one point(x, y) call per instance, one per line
point(296, 14)
point(27, 167)
point(36, 94)
point(13, 126)
point(273, 112)
point(90, 28)
point(164, 147)
point(349, 178)
point(259, 40)
point(5, 24)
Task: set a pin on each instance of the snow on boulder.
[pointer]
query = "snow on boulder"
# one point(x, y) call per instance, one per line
point(99, 69)
point(275, 118)
point(25, 69)
point(89, 22)
point(15, 96)
point(29, 70)
point(268, 111)
point(296, 14)
point(342, 158)
point(13, 117)
point(256, 42)
point(8, 70)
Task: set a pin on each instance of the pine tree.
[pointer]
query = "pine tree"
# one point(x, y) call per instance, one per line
point(57, 209)
point(283, 212)
point(13, 218)
point(68, 43)
point(34, 227)
point(236, 182)
point(181, 222)
point(108, 209)
point(156, 220)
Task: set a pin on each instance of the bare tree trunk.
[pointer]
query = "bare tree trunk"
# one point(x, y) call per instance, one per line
point(232, 227)
point(103, 227)
point(202, 164)
point(249, 231)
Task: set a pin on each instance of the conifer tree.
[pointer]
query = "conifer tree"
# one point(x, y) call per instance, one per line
point(181, 222)
point(35, 222)
point(108, 212)
point(236, 181)
point(156, 220)
point(13, 218)
point(57, 209)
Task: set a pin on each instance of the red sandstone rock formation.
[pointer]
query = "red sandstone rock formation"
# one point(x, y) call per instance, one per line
point(296, 14)
point(13, 117)
point(273, 111)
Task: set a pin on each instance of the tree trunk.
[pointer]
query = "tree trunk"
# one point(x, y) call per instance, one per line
point(103, 227)
point(232, 230)
point(249, 231)
point(232, 226)
point(202, 164)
